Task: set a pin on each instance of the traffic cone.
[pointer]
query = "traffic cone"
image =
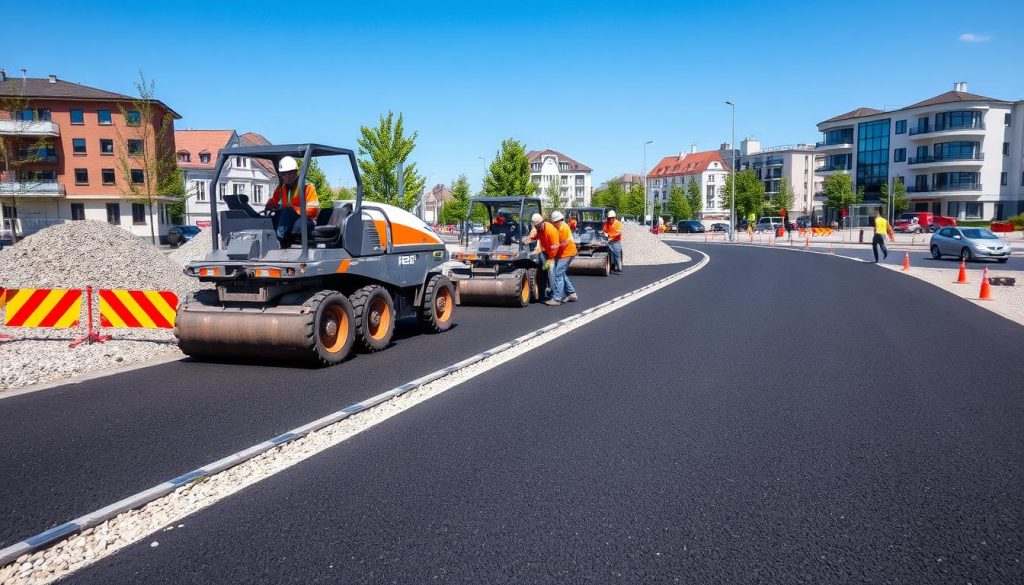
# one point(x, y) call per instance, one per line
point(986, 293)
point(906, 262)
point(962, 278)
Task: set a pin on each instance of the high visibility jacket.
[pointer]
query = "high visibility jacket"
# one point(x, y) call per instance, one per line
point(572, 224)
point(613, 229)
point(566, 245)
point(547, 238)
point(312, 201)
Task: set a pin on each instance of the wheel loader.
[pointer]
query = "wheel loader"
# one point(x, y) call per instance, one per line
point(495, 265)
point(322, 290)
point(592, 257)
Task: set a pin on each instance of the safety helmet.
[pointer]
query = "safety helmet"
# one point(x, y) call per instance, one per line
point(287, 164)
point(611, 213)
point(537, 219)
point(557, 216)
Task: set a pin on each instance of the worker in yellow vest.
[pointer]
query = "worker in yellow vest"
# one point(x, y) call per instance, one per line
point(286, 200)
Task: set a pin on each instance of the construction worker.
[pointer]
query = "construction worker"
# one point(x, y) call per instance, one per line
point(572, 223)
point(562, 289)
point(286, 199)
point(881, 232)
point(613, 230)
point(546, 236)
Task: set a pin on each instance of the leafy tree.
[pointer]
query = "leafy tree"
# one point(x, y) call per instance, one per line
point(454, 210)
point(509, 173)
point(146, 157)
point(839, 193)
point(380, 150)
point(612, 197)
point(16, 151)
point(749, 193)
point(633, 202)
point(899, 198)
point(678, 206)
point(554, 194)
point(693, 198)
point(783, 199)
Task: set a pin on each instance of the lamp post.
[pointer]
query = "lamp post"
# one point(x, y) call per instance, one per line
point(643, 172)
point(732, 200)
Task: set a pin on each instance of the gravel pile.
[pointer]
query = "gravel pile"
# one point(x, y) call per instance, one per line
point(31, 362)
point(195, 249)
point(642, 248)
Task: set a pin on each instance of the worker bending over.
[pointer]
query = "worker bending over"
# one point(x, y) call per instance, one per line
point(562, 289)
point(613, 230)
point(546, 236)
point(286, 199)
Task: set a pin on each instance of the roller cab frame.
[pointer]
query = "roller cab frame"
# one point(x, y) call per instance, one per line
point(592, 256)
point(324, 290)
point(494, 264)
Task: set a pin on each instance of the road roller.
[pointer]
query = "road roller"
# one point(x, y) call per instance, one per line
point(592, 256)
point(328, 287)
point(493, 264)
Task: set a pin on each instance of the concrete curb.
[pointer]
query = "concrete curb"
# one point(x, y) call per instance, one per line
point(11, 553)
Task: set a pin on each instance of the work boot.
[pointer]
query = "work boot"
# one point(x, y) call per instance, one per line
point(552, 303)
point(572, 298)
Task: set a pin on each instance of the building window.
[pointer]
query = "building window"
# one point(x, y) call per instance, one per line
point(103, 116)
point(956, 150)
point(1006, 149)
point(138, 214)
point(108, 176)
point(133, 118)
point(901, 126)
point(204, 157)
point(962, 119)
point(899, 155)
point(77, 211)
point(956, 181)
point(922, 125)
point(257, 194)
point(163, 214)
point(114, 213)
point(106, 147)
point(78, 145)
point(873, 155)
point(136, 148)
point(710, 194)
point(138, 176)
point(238, 188)
point(240, 162)
point(81, 176)
point(972, 210)
point(200, 187)
point(77, 117)
point(711, 178)
point(1002, 178)
point(840, 136)
point(222, 190)
point(184, 157)
point(1006, 119)
point(953, 209)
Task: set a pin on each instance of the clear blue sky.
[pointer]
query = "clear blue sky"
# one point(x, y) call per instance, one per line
point(594, 80)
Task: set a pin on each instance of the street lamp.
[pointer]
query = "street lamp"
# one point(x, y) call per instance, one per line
point(732, 200)
point(643, 173)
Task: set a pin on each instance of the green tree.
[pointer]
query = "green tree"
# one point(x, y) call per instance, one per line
point(633, 202)
point(678, 206)
point(16, 150)
point(509, 173)
point(749, 193)
point(839, 193)
point(454, 210)
point(693, 198)
point(318, 178)
point(380, 150)
point(145, 152)
point(899, 198)
point(554, 195)
point(610, 197)
point(783, 199)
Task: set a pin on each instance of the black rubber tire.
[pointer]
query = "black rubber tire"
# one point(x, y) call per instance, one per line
point(365, 318)
point(966, 255)
point(535, 284)
point(607, 265)
point(936, 253)
point(1002, 260)
point(433, 318)
point(522, 288)
point(324, 305)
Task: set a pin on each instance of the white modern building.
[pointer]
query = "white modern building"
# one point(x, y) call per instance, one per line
point(958, 154)
point(795, 162)
point(572, 176)
point(707, 168)
point(197, 155)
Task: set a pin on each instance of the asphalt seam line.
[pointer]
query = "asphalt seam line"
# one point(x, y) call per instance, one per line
point(60, 534)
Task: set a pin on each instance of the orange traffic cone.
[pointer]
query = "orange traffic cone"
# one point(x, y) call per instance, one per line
point(906, 262)
point(986, 293)
point(962, 278)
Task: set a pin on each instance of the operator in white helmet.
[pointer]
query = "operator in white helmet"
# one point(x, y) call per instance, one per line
point(286, 199)
point(613, 231)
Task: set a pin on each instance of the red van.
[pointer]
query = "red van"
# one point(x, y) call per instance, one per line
point(913, 222)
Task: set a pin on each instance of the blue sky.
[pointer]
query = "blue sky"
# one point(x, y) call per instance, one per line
point(594, 80)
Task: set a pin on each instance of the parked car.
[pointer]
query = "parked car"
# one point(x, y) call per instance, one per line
point(719, 227)
point(180, 234)
point(913, 221)
point(690, 226)
point(909, 227)
point(769, 224)
point(969, 244)
point(804, 221)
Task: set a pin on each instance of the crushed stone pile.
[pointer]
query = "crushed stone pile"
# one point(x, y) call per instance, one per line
point(195, 249)
point(642, 248)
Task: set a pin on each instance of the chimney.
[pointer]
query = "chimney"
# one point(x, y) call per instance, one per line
point(960, 86)
point(724, 146)
point(24, 74)
point(53, 79)
point(693, 148)
point(3, 75)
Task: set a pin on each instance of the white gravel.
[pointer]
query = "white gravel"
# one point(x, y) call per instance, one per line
point(195, 249)
point(642, 248)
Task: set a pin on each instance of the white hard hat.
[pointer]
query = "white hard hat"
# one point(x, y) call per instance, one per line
point(611, 213)
point(537, 219)
point(287, 164)
point(557, 216)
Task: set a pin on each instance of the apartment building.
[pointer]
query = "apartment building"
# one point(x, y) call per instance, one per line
point(433, 200)
point(707, 168)
point(626, 180)
point(795, 162)
point(957, 154)
point(65, 143)
point(572, 176)
point(197, 152)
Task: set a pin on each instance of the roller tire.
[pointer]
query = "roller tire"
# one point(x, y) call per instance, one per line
point(536, 283)
point(522, 298)
point(374, 318)
point(324, 305)
point(432, 318)
point(607, 265)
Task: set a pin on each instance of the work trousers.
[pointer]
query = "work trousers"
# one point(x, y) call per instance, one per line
point(616, 250)
point(562, 286)
point(879, 242)
point(286, 220)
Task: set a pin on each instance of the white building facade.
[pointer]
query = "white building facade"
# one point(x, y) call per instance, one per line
point(572, 176)
point(707, 168)
point(958, 154)
point(796, 163)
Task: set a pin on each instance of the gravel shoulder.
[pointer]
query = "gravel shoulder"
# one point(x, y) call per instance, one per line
point(1007, 301)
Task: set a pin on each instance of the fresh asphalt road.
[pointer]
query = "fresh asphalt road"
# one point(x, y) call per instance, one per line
point(843, 424)
point(74, 449)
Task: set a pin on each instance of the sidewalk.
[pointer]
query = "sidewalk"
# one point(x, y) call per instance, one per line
point(839, 239)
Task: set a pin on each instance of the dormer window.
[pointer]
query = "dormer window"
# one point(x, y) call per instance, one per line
point(204, 157)
point(184, 157)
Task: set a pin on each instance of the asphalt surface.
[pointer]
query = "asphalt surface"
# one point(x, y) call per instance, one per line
point(76, 448)
point(841, 424)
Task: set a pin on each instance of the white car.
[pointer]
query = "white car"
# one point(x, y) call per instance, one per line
point(969, 243)
point(769, 224)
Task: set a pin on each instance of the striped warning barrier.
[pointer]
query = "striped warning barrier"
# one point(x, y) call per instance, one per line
point(43, 307)
point(149, 309)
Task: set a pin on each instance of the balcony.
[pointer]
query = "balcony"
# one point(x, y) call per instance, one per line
point(774, 162)
point(43, 188)
point(827, 146)
point(829, 169)
point(945, 160)
point(965, 129)
point(28, 128)
point(944, 188)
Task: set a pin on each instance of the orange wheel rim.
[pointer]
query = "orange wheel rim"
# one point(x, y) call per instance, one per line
point(524, 295)
point(378, 319)
point(334, 328)
point(443, 304)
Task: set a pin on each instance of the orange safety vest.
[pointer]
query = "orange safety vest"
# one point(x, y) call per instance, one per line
point(566, 245)
point(547, 238)
point(613, 229)
point(312, 201)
